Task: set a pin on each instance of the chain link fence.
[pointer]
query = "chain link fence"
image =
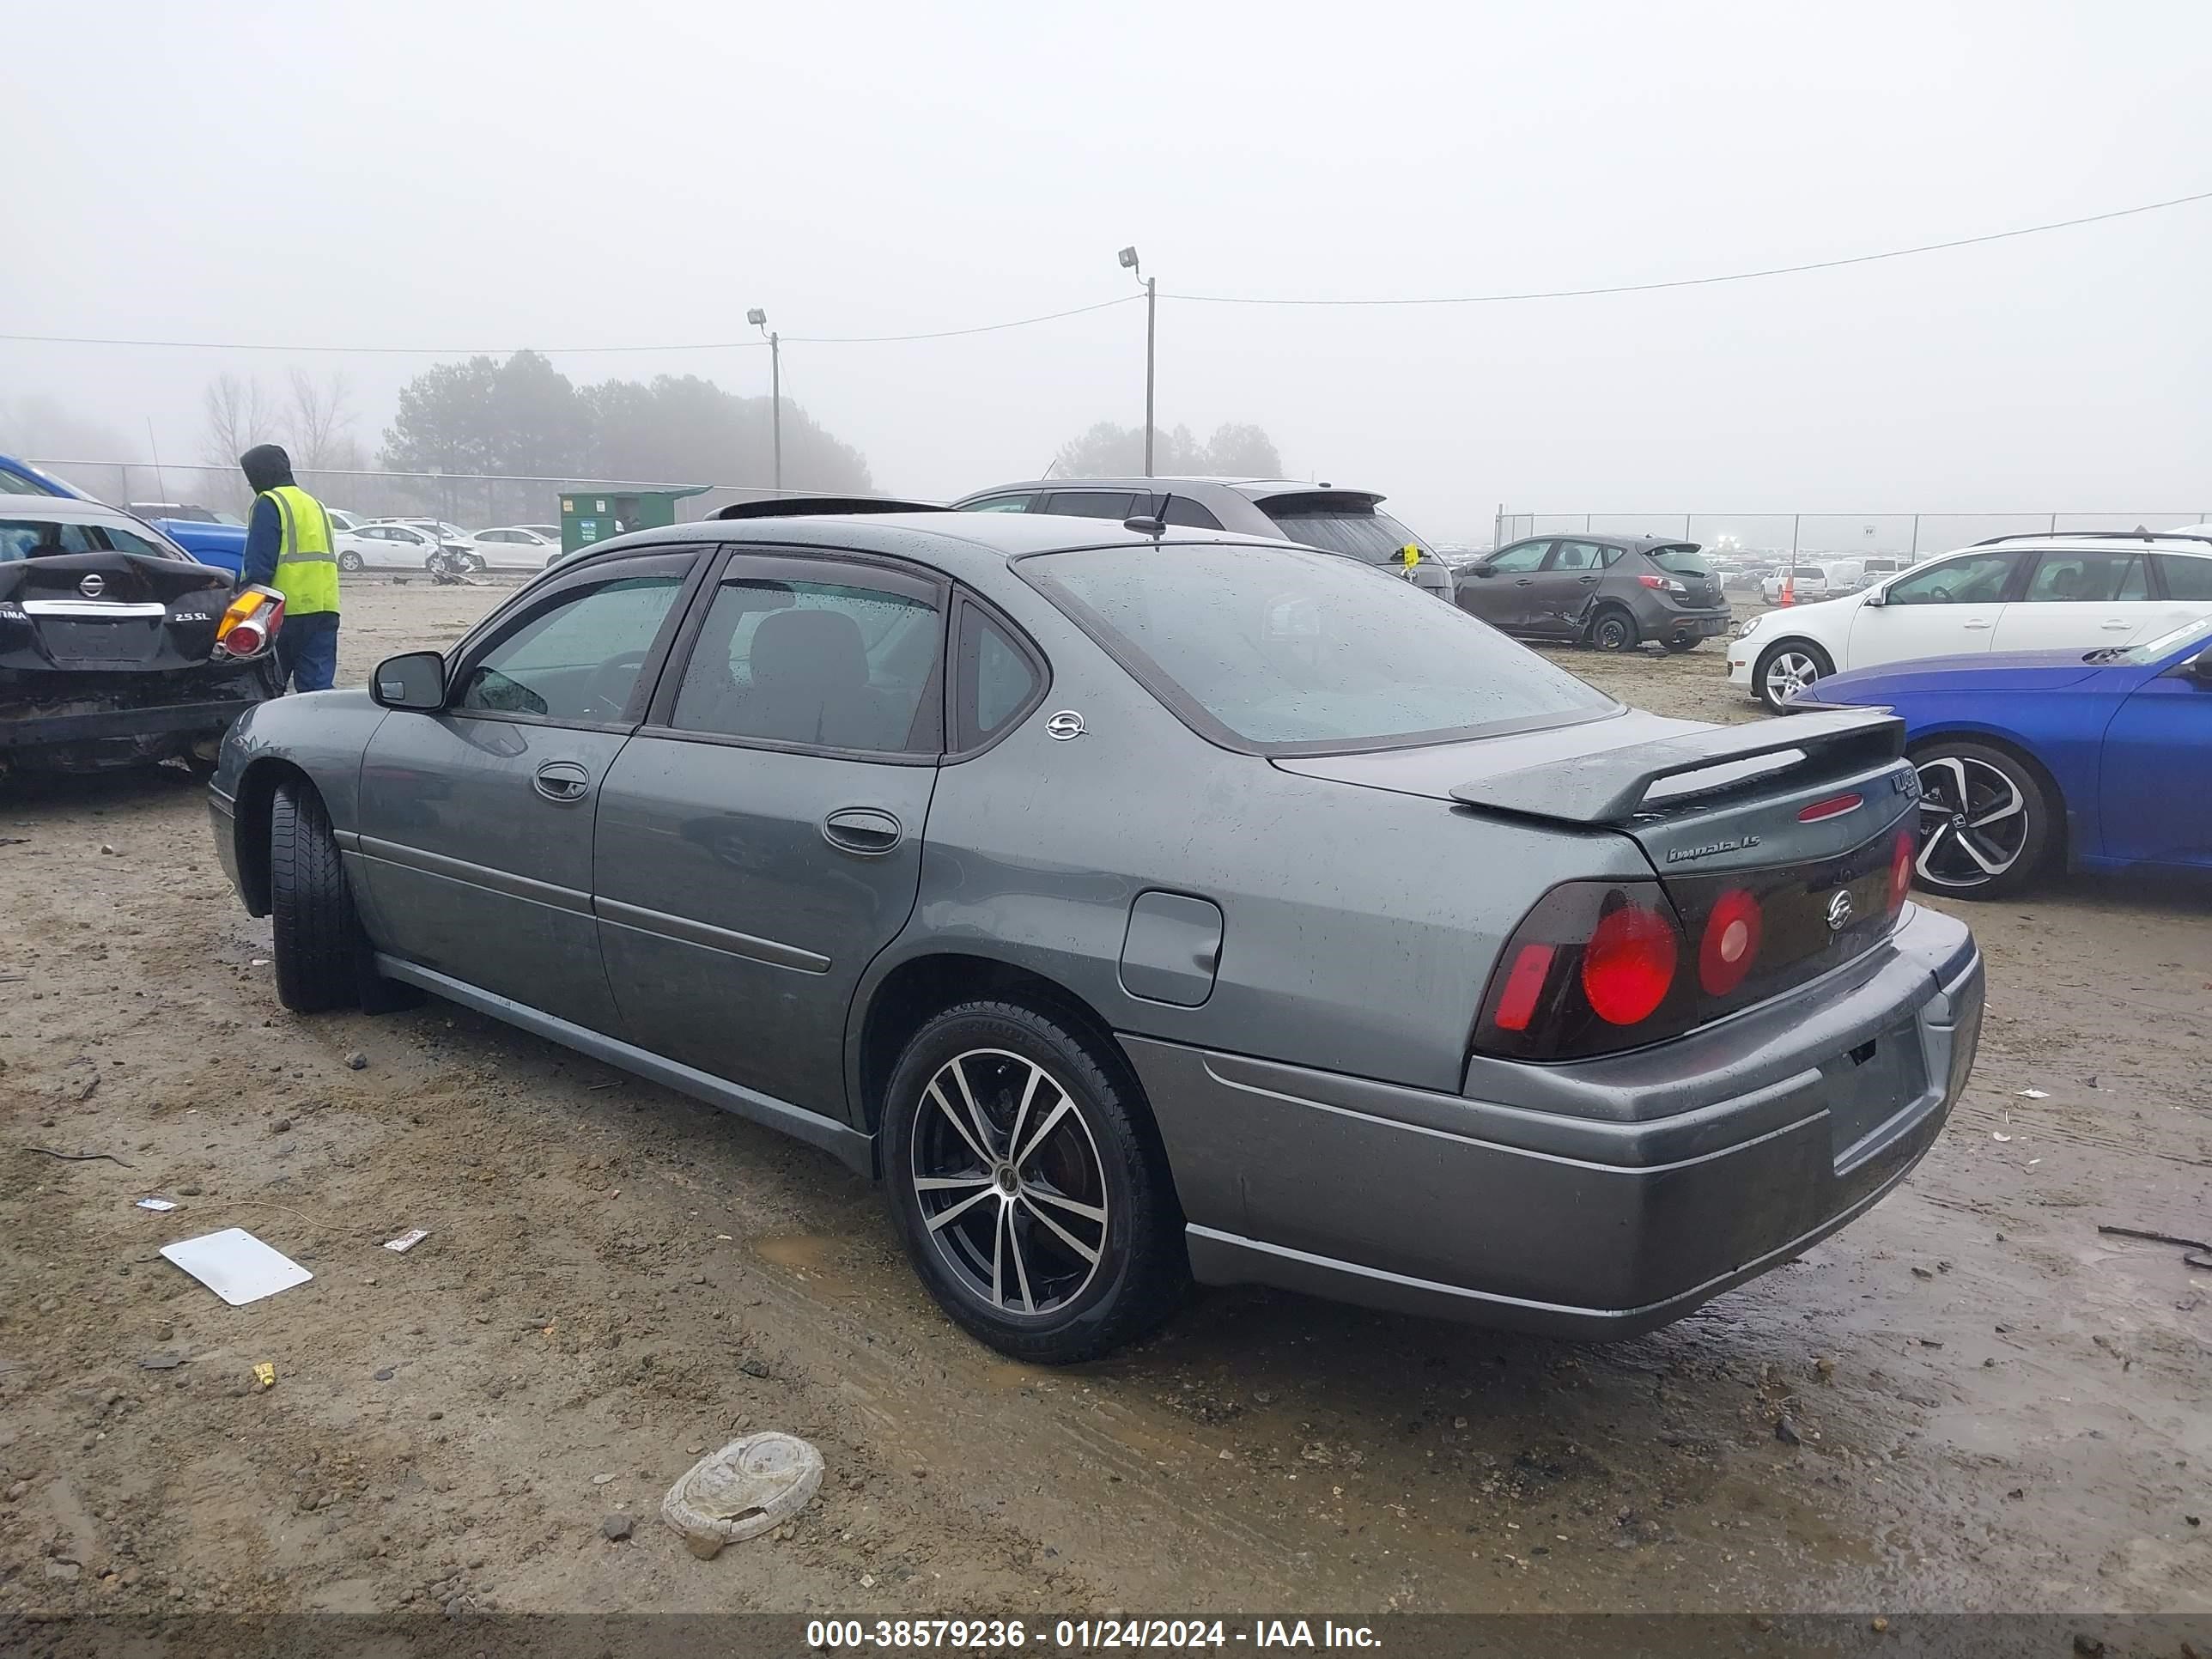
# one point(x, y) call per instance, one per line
point(475, 500)
point(1836, 535)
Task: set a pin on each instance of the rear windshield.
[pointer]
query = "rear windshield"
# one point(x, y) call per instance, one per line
point(1275, 648)
point(35, 538)
point(1679, 560)
point(1341, 525)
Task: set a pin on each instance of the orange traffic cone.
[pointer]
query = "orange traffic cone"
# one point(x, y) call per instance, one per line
point(1789, 590)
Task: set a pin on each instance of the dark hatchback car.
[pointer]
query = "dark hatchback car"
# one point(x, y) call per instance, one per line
point(117, 647)
point(1613, 591)
point(1031, 865)
point(1336, 520)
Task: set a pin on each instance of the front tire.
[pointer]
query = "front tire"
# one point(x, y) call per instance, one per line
point(1788, 665)
point(1030, 1186)
point(349, 564)
point(320, 948)
point(1988, 821)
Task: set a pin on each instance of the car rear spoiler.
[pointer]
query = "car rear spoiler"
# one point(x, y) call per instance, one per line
point(1616, 785)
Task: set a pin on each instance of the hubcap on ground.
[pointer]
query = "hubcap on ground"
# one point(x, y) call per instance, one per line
point(1973, 822)
point(1009, 1181)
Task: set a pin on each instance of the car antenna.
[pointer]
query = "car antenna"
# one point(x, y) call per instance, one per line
point(1155, 524)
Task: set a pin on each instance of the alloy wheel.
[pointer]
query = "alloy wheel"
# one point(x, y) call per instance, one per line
point(1974, 821)
point(1009, 1181)
point(1789, 670)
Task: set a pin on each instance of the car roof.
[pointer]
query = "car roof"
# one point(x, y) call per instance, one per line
point(64, 509)
point(2094, 541)
point(958, 543)
point(1606, 537)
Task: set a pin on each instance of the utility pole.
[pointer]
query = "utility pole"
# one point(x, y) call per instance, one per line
point(758, 318)
point(1128, 257)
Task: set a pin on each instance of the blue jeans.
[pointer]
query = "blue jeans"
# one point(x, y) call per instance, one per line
point(307, 650)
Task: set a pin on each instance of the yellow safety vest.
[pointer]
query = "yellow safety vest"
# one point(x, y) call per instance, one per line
point(306, 562)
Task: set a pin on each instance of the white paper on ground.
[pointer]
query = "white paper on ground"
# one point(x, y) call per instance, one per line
point(408, 1240)
point(156, 1204)
point(236, 1265)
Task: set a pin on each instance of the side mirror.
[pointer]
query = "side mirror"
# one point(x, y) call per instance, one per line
point(416, 680)
point(1875, 598)
point(2199, 667)
point(1485, 571)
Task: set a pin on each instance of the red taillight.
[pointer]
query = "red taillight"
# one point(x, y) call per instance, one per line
point(250, 621)
point(1652, 582)
point(1900, 866)
point(1628, 966)
point(1834, 807)
point(244, 638)
point(1730, 945)
point(1532, 965)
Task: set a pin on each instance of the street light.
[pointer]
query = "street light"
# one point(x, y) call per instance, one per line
point(758, 318)
point(1128, 257)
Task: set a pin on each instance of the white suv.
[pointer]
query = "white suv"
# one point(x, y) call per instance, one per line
point(2073, 592)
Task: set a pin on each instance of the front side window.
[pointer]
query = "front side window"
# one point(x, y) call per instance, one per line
point(833, 664)
point(1517, 561)
point(578, 658)
point(1978, 579)
point(1278, 649)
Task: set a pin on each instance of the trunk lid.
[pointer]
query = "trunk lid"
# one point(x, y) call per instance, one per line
point(1803, 814)
point(108, 610)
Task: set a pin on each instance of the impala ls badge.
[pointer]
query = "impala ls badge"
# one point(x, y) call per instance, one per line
point(1065, 725)
point(1840, 910)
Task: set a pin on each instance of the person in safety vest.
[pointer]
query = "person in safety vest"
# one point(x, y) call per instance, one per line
point(290, 546)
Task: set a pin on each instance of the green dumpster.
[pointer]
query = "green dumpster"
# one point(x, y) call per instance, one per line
point(600, 515)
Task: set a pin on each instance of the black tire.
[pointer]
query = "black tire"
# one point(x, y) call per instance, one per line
point(477, 564)
point(1614, 630)
point(1768, 675)
point(1102, 1146)
point(1685, 642)
point(321, 952)
point(1980, 806)
point(349, 564)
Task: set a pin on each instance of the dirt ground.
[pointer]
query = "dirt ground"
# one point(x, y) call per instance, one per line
point(1993, 1406)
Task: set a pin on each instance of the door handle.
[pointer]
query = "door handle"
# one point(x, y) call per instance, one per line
point(866, 830)
point(562, 782)
point(2121, 627)
point(1524, 581)
point(1585, 581)
point(1973, 627)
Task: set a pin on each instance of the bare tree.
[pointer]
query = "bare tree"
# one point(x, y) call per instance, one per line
point(317, 425)
point(240, 415)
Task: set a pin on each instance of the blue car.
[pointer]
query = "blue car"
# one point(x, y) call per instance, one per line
point(2099, 758)
point(21, 478)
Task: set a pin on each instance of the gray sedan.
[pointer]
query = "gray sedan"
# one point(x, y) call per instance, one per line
point(1143, 908)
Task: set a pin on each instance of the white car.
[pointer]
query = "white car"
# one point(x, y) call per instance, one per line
point(384, 546)
point(343, 523)
point(2073, 592)
point(516, 547)
point(1808, 581)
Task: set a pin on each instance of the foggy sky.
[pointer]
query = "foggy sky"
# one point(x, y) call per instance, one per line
point(561, 174)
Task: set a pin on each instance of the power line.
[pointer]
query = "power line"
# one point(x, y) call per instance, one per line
point(567, 351)
point(1706, 281)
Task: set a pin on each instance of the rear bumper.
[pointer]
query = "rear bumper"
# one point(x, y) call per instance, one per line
point(100, 724)
point(1597, 1199)
point(1689, 624)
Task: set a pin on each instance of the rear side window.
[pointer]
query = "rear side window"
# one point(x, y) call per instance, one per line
point(999, 504)
point(1181, 510)
point(997, 682)
point(831, 665)
point(2187, 576)
point(1114, 504)
point(1277, 649)
point(2088, 578)
point(1341, 523)
point(1577, 555)
point(1679, 560)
